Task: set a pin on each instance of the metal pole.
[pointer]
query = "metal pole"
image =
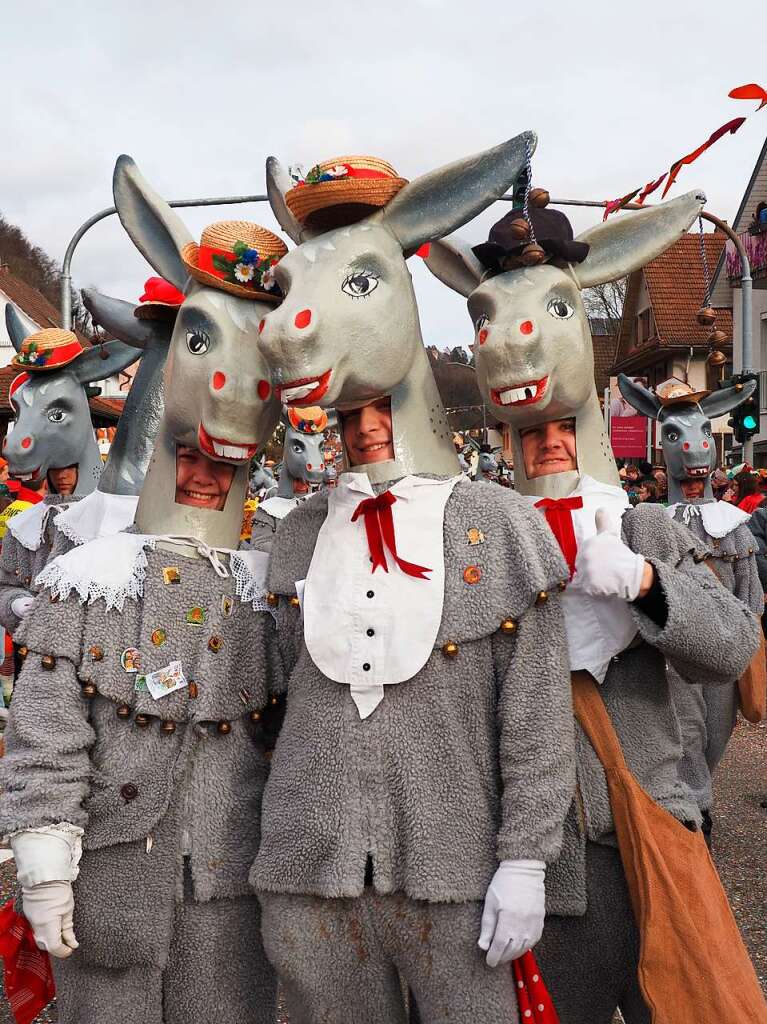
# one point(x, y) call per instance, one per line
point(66, 269)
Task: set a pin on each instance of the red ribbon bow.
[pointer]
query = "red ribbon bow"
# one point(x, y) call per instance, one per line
point(535, 1005)
point(26, 969)
point(379, 526)
point(559, 516)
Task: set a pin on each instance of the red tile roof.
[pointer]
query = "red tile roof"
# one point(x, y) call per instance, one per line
point(7, 374)
point(108, 408)
point(32, 302)
point(675, 282)
point(604, 357)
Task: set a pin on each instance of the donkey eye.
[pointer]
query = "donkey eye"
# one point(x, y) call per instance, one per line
point(560, 309)
point(359, 285)
point(198, 342)
point(672, 435)
point(56, 415)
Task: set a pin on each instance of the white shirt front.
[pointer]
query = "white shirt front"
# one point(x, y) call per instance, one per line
point(598, 628)
point(369, 630)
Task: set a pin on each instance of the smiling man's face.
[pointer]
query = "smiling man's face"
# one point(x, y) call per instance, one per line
point(368, 433)
point(201, 482)
point(549, 448)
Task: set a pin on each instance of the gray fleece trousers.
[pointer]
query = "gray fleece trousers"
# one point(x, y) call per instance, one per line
point(345, 960)
point(216, 973)
point(590, 963)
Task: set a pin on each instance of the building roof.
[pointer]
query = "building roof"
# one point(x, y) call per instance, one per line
point(7, 374)
point(604, 357)
point(756, 190)
point(32, 302)
point(107, 408)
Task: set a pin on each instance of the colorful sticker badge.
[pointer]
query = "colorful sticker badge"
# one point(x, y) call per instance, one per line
point(96, 653)
point(196, 616)
point(130, 659)
point(159, 636)
point(215, 644)
point(472, 574)
point(165, 680)
point(227, 606)
point(475, 535)
point(171, 574)
point(139, 684)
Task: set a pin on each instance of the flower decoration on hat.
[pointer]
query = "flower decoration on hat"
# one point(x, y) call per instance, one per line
point(237, 257)
point(311, 420)
point(47, 350)
point(342, 190)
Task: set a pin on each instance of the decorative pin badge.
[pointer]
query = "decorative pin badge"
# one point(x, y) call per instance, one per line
point(96, 653)
point(227, 606)
point(472, 574)
point(159, 636)
point(139, 685)
point(165, 680)
point(215, 644)
point(476, 536)
point(196, 616)
point(130, 659)
point(171, 574)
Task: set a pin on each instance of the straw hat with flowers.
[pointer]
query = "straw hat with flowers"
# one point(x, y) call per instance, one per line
point(161, 300)
point(342, 191)
point(678, 392)
point(237, 257)
point(310, 420)
point(47, 350)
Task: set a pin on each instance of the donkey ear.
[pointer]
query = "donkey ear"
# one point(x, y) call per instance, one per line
point(278, 182)
point(156, 231)
point(454, 264)
point(103, 361)
point(18, 325)
point(618, 247)
point(720, 402)
point(440, 202)
point(644, 401)
point(116, 317)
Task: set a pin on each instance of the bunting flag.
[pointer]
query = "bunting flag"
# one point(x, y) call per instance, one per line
point(743, 92)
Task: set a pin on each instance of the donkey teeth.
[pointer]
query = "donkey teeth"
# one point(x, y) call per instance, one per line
point(297, 393)
point(230, 451)
point(512, 395)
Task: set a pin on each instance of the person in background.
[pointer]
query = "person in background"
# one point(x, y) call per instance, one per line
point(750, 494)
point(647, 490)
point(719, 484)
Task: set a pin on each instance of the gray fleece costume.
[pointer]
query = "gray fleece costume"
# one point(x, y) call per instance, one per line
point(468, 763)
point(20, 566)
point(706, 713)
point(168, 792)
point(590, 946)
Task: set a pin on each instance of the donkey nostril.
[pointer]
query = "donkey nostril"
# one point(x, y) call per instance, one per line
point(26, 442)
point(264, 388)
point(705, 444)
point(308, 465)
point(482, 336)
point(304, 318)
point(261, 326)
point(219, 379)
point(686, 445)
point(526, 327)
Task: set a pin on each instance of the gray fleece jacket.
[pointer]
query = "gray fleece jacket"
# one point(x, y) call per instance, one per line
point(467, 763)
point(132, 785)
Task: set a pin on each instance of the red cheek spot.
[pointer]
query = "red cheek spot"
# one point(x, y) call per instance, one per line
point(219, 379)
point(482, 336)
point(526, 327)
point(26, 442)
point(264, 389)
point(304, 318)
point(705, 444)
point(686, 445)
point(261, 326)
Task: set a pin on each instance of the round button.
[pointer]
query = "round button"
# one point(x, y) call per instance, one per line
point(366, 667)
point(129, 791)
point(370, 632)
point(371, 593)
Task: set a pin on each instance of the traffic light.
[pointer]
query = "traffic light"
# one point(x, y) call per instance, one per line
point(745, 417)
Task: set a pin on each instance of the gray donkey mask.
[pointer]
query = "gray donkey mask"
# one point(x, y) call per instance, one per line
point(53, 426)
point(533, 350)
point(685, 429)
point(348, 332)
point(134, 441)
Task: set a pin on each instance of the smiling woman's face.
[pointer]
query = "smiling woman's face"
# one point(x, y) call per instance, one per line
point(549, 448)
point(368, 433)
point(201, 482)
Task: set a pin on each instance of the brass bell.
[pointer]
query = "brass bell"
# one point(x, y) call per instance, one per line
point(706, 316)
point(142, 721)
point(123, 711)
point(542, 598)
point(272, 600)
point(255, 716)
point(224, 728)
point(274, 700)
point(294, 602)
point(450, 649)
point(167, 726)
point(89, 690)
point(520, 228)
point(508, 626)
point(539, 197)
point(23, 651)
point(532, 255)
point(48, 662)
point(716, 358)
point(717, 338)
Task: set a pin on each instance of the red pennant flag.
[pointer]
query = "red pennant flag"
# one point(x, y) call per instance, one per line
point(650, 188)
point(727, 129)
point(617, 204)
point(750, 92)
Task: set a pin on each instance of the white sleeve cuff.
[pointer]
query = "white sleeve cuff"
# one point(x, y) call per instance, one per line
point(50, 853)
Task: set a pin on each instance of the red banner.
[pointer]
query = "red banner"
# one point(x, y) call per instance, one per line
point(628, 435)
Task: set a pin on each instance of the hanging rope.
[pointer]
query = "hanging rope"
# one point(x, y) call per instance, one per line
point(704, 261)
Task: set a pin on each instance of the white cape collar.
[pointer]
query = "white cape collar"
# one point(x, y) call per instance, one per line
point(719, 517)
point(28, 527)
point(98, 514)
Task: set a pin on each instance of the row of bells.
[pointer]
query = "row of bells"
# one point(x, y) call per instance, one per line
point(520, 228)
point(507, 626)
point(706, 317)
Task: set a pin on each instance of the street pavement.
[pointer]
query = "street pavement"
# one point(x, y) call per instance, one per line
point(740, 848)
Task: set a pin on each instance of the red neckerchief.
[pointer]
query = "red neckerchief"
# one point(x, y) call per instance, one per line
point(533, 997)
point(379, 526)
point(559, 516)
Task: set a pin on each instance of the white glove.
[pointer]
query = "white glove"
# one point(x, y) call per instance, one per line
point(515, 906)
point(49, 907)
point(605, 566)
point(20, 606)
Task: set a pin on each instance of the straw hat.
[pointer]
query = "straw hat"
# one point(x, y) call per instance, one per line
point(237, 257)
point(47, 350)
point(311, 420)
point(160, 301)
point(676, 392)
point(343, 190)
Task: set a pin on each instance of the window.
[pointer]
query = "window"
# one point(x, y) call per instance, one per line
point(643, 326)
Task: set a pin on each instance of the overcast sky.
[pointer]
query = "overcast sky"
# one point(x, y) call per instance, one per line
point(200, 94)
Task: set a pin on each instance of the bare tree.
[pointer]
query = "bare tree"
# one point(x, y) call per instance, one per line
point(604, 302)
